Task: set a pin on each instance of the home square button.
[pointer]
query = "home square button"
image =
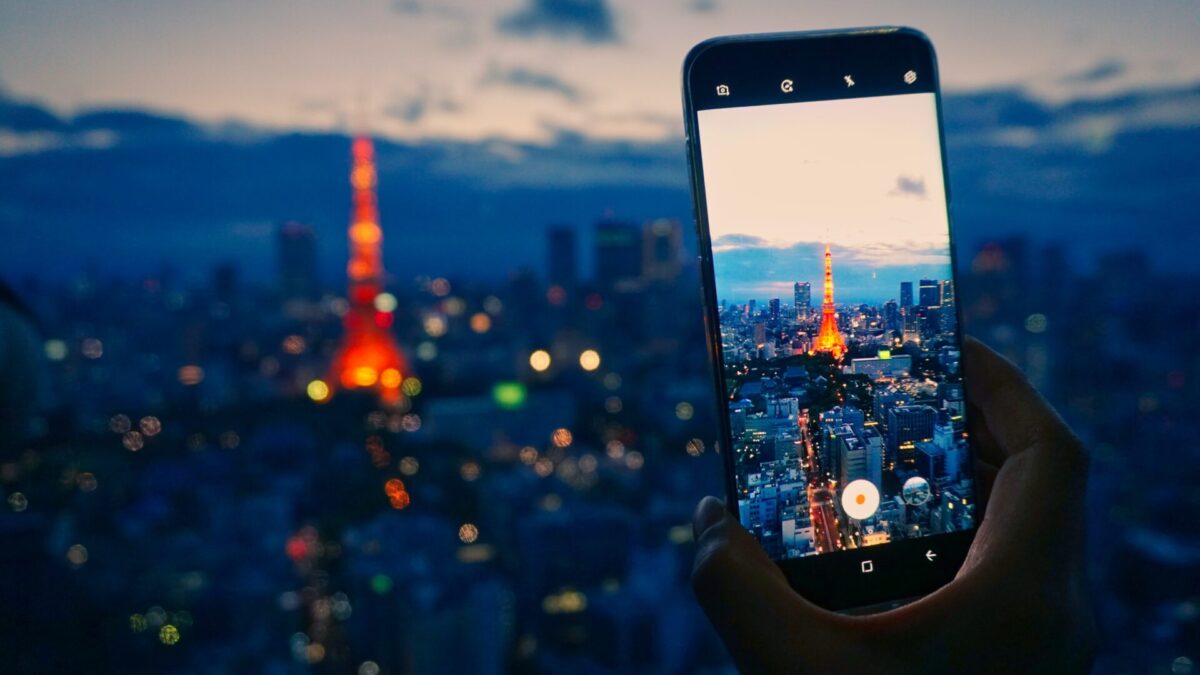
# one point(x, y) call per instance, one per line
point(868, 567)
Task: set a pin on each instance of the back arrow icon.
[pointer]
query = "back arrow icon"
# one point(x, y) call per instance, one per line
point(930, 555)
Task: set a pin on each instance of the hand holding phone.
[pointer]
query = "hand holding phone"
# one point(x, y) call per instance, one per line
point(1018, 604)
point(827, 261)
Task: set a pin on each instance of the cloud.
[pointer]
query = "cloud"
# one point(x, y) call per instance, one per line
point(520, 77)
point(907, 185)
point(412, 108)
point(24, 117)
point(1101, 72)
point(586, 20)
point(422, 8)
point(734, 241)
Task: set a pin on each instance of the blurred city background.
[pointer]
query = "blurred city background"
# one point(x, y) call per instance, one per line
point(196, 477)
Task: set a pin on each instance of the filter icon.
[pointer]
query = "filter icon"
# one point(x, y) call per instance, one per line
point(910, 77)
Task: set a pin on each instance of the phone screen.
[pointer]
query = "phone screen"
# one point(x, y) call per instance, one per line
point(838, 331)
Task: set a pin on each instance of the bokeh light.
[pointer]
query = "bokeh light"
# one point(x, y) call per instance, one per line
point(589, 359)
point(539, 360)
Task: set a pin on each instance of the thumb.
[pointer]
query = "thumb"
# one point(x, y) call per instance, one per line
point(744, 593)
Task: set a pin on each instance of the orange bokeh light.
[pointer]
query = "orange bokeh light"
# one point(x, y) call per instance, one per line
point(391, 378)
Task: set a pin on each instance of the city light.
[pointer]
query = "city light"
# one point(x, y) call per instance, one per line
point(562, 437)
point(589, 359)
point(412, 386)
point(427, 351)
point(55, 350)
point(539, 360)
point(190, 375)
point(77, 555)
point(509, 395)
point(481, 322)
point(150, 425)
point(294, 344)
point(133, 441)
point(468, 533)
point(1036, 323)
point(92, 348)
point(390, 378)
point(168, 634)
point(409, 466)
point(364, 376)
point(385, 302)
point(566, 601)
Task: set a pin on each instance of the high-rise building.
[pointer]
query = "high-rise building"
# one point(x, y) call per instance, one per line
point(829, 338)
point(832, 422)
point(618, 253)
point(906, 294)
point(891, 316)
point(930, 293)
point(662, 249)
point(803, 299)
point(562, 261)
point(773, 312)
point(852, 455)
point(906, 426)
point(297, 246)
point(368, 357)
point(873, 440)
point(947, 293)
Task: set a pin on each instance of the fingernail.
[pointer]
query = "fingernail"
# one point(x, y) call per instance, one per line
point(709, 512)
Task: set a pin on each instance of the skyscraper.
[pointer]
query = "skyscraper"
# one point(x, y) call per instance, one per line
point(297, 246)
point(906, 426)
point(891, 316)
point(930, 293)
point(618, 253)
point(662, 249)
point(562, 262)
point(947, 293)
point(906, 294)
point(368, 357)
point(829, 339)
point(773, 312)
point(803, 300)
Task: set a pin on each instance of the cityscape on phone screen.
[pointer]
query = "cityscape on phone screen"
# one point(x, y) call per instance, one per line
point(839, 336)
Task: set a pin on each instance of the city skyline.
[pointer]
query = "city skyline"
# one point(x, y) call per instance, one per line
point(856, 284)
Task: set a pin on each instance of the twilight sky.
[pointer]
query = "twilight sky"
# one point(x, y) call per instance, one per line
point(522, 69)
point(863, 175)
point(139, 135)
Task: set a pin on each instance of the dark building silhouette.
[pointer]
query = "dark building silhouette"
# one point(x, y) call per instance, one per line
point(930, 293)
point(562, 259)
point(618, 252)
point(297, 261)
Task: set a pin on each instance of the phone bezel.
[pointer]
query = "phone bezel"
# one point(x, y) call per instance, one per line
point(902, 570)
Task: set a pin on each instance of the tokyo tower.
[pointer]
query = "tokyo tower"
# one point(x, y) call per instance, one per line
point(368, 357)
point(829, 339)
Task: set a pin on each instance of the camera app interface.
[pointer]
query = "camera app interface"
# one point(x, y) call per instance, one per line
point(839, 335)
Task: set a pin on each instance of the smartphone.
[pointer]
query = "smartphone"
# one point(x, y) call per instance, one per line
point(818, 172)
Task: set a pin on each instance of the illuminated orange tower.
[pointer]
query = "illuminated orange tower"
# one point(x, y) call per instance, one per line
point(829, 339)
point(368, 357)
